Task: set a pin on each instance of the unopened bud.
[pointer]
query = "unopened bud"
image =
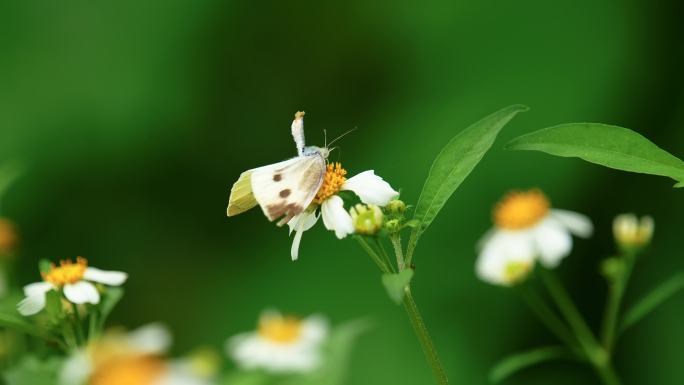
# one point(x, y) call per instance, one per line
point(393, 225)
point(396, 207)
point(367, 219)
point(631, 232)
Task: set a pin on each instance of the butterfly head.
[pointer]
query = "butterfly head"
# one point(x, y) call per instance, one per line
point(314, 150)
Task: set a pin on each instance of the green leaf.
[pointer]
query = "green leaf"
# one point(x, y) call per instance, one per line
point(453, 164)
point(610, 146)
point(16, 322)
point(519, 361)
point(395, 284)
point(656, 297)
point(32, 371)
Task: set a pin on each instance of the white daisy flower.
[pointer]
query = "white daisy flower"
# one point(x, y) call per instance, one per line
point(281, 344)
point(527, 229)
point(370, 188)
point(74, 280)
point(119, 357)
point(133, 358)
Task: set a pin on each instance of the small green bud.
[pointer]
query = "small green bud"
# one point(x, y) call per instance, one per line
point(367, 219)
point(632, 233)
point(612, 268)
point(393, 225)
point(396, 207)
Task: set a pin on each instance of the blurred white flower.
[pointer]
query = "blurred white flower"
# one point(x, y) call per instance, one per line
point(527, 229)
point(134, 358)
point(370, 188)
point(74, 280)
point(281, 344)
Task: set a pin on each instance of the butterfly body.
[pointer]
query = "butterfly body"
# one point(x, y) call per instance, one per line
point(284, 189)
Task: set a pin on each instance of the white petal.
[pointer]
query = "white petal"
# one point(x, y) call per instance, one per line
point(37, 288)
point(35, 298)
point(370, 188)
point(315, 329)
point(82, 292)
point(182, 372)
point(303, 221)
point(501, 249)
point(111, 278)
point(300, 223)
point(294, 250)
point(76, 369)
point(336, 218)
point(553, 242)
point(153, 338)
point(577, 223)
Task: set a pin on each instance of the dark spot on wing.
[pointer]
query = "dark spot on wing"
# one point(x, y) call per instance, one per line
point(285, 193)
point(277, 177)
point(285, 210)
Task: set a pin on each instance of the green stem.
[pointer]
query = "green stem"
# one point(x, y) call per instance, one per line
point(424, 338)
point(383, 253)
point(616, 292)
point(549, 318)
point(607, 375)
point(597, 356)
point(68, 334)
point(93, 332)
point(398, 251)
point(374, 256)
point(78, 326)
point(571, 314)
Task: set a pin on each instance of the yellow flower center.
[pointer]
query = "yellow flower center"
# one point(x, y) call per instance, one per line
point(516, 272)
point(67, 272)
point(129, 370)
point(521, 210)
point(279, 329)
point(332, 182)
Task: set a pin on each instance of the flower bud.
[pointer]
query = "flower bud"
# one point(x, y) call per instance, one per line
point(613, 268)
point(631, 232)
point(8, 237)
point(396, 207)
point(393, 225)
point(367, 219)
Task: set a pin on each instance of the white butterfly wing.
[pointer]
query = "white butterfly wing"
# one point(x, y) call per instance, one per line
point(285, 189)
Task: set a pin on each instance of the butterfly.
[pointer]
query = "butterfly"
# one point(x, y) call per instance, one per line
point(285, 189)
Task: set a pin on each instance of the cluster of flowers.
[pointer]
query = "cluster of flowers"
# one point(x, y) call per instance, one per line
point(280, 344)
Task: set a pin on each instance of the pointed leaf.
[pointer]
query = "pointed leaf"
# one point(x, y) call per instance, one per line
point(453, 164)
point(519, 361)
point(656, 297)
point(610, 146)
point(396, 283)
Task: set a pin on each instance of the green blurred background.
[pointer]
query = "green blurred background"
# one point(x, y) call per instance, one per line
point(134, 118)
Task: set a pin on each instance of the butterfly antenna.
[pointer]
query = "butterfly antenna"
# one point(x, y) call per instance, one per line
point(342, 136)
point(325, 136)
